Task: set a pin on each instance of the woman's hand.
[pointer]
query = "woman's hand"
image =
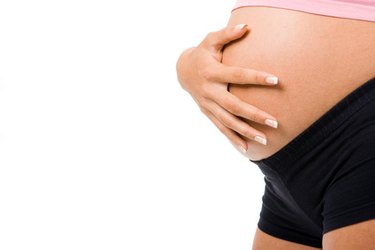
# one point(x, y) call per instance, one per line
point(201, 73)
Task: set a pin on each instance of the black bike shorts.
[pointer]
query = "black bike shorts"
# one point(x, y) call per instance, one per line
point(324, 178)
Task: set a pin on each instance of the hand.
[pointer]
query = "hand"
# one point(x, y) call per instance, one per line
point(201, 73)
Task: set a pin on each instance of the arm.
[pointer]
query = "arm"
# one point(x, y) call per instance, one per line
point(201, 73)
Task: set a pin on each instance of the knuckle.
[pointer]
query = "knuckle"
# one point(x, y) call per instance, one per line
point(235, 108)
point(220, 116)
point(255, 114)
point(221, 128)
point(258, 78)
point(203, 110)
point(238, 74)
point(198, 100)
point(225, 120)
point(251, 116)
point(249, 133)
point(242, 130)
point(205, 92)
point(204, 106)
point(201, 101)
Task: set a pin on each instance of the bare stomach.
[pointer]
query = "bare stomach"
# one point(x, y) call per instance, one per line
point(318, 60)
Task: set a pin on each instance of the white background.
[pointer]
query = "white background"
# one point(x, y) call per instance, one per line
point(100, 148)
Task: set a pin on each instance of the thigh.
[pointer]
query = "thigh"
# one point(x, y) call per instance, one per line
point(356, 236)
point(263, 241)
point(349, 203)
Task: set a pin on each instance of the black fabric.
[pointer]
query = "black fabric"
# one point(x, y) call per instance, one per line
point(324, 178)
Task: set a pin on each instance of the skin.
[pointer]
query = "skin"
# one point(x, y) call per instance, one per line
point(205, 83)
point(357, 236)
point(318, 59)
point(263, 241)
point(328, 63)
point(200, 72)
point(353, 237)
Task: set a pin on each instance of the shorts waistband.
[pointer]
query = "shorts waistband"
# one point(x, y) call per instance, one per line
point(323, 126)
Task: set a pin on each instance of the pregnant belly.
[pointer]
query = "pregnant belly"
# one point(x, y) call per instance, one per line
point(318, 60)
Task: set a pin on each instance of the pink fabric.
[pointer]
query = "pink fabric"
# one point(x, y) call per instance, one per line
point(361, 9)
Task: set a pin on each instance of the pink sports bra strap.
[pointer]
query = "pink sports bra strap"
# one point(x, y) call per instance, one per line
point(361, 9)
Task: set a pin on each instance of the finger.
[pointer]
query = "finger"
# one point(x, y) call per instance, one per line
point(232, 136)
point(216, 40)
point(234, 123)
point(245, 110)
point(237, 75)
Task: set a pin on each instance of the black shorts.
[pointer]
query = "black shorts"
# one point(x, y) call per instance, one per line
point(324, 178)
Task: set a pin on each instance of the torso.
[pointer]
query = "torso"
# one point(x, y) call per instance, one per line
point(318, 60)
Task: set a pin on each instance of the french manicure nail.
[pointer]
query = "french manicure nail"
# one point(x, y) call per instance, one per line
point(239, 27)
point(260, 140)
point(242, 149)
point(271, 123)
point(272, 80)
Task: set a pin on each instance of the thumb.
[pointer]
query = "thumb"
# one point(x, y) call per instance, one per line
point(217, 40)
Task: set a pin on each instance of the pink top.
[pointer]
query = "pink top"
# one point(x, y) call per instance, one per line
point(355, 9)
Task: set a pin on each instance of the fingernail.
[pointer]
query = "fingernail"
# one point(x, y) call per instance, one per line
point(272, 80)
point(271, 123)
point(242, 149)
point(260, 140)
point(239, 27)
